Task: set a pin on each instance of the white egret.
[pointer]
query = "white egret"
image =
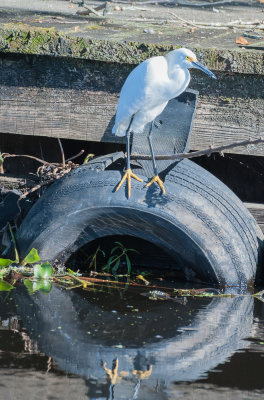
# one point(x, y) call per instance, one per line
point(145, 94)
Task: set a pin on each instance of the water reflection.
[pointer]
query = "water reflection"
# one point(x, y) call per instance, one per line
point(131, 347)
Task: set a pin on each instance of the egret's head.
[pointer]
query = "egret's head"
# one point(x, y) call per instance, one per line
point(188, 60)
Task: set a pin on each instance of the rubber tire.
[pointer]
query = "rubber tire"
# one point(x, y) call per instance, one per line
point(199, 221)
point(198, 342)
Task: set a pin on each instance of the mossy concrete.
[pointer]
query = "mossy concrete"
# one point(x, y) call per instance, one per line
point(26, 39)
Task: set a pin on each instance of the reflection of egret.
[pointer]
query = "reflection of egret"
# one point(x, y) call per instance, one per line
point(140, 375)
point(145, 94)
point(114, 377)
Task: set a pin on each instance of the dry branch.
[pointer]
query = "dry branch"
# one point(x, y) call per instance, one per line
point(7, 155)
point(62, 154)
point(219, 25)
point(207, 152)
point(186, 3)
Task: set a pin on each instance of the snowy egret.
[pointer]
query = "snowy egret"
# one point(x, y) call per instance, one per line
point(145, 94)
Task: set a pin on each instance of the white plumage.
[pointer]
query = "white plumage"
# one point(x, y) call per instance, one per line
point(145, 94)
point(150, 86)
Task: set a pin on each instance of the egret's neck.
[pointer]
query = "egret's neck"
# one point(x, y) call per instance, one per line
point(179, 77)
point(175, 67)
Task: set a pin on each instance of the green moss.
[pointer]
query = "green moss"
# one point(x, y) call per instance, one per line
point(20, 38)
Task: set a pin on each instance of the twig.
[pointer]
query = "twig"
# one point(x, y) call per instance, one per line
point(219, 25)
point(78, 280)
point(98, 8)
point(93, 11)
point(76, 156)
point(62, 154)
point(199, 153)
point(7, 155)
point(33, 190)
point(185, 21)
point(186, 3)
point(14, 243)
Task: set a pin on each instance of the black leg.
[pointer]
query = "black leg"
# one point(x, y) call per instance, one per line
point(151, 150)
point(128, 174)
point(128, 149)
point(156, 177)
point(128, 142)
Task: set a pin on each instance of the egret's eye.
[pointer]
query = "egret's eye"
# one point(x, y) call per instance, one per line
point(190, 59)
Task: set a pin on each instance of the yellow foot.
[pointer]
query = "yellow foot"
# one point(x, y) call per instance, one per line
point(128, 175)
point(157, 179)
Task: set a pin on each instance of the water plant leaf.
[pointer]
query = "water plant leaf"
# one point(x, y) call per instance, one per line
point(31, 258)
point(116, 266)
point(5, 286)
point(134, 250)
point(110, 259)
point(5, 262)
point(120, 244)
point(128, 265)
point(16, 261)
point(114, 249)
point(29, 285)
point(42, 271)
point(43, 285)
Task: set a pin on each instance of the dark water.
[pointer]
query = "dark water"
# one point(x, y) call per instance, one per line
point(116, 345)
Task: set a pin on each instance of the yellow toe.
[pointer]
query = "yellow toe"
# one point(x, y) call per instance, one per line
point(128, 175)
point(157, 179)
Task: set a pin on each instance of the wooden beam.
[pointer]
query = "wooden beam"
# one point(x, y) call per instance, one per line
point(257, 210)
point(75, 99)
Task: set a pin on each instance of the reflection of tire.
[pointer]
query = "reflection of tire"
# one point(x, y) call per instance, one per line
point(200, 222)
point(78, 335)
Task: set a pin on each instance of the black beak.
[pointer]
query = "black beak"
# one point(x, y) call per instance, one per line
point(197, 64)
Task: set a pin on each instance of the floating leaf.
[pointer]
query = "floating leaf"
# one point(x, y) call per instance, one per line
point(5, 262)
point(29, 285)
point(31, 258)
point(5, 286)
point(42, 271)
point(42, 285)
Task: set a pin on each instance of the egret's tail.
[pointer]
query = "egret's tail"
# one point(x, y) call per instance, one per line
point(119, 129)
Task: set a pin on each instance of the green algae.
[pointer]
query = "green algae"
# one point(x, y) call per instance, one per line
point(25, 39)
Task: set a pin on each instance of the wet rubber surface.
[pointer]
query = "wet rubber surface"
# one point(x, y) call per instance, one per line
point(110, 344)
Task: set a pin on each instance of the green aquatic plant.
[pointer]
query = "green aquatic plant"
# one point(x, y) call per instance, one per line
point(93, 258)
point(41, 272)
point(119, 253)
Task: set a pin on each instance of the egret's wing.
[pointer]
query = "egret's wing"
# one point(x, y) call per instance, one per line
point(135, 93)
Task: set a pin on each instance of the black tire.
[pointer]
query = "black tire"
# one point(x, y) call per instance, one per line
point(201, 339)
point(200, 222)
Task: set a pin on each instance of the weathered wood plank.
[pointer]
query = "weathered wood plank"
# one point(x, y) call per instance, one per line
point(74, 99)
point(257, 210)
